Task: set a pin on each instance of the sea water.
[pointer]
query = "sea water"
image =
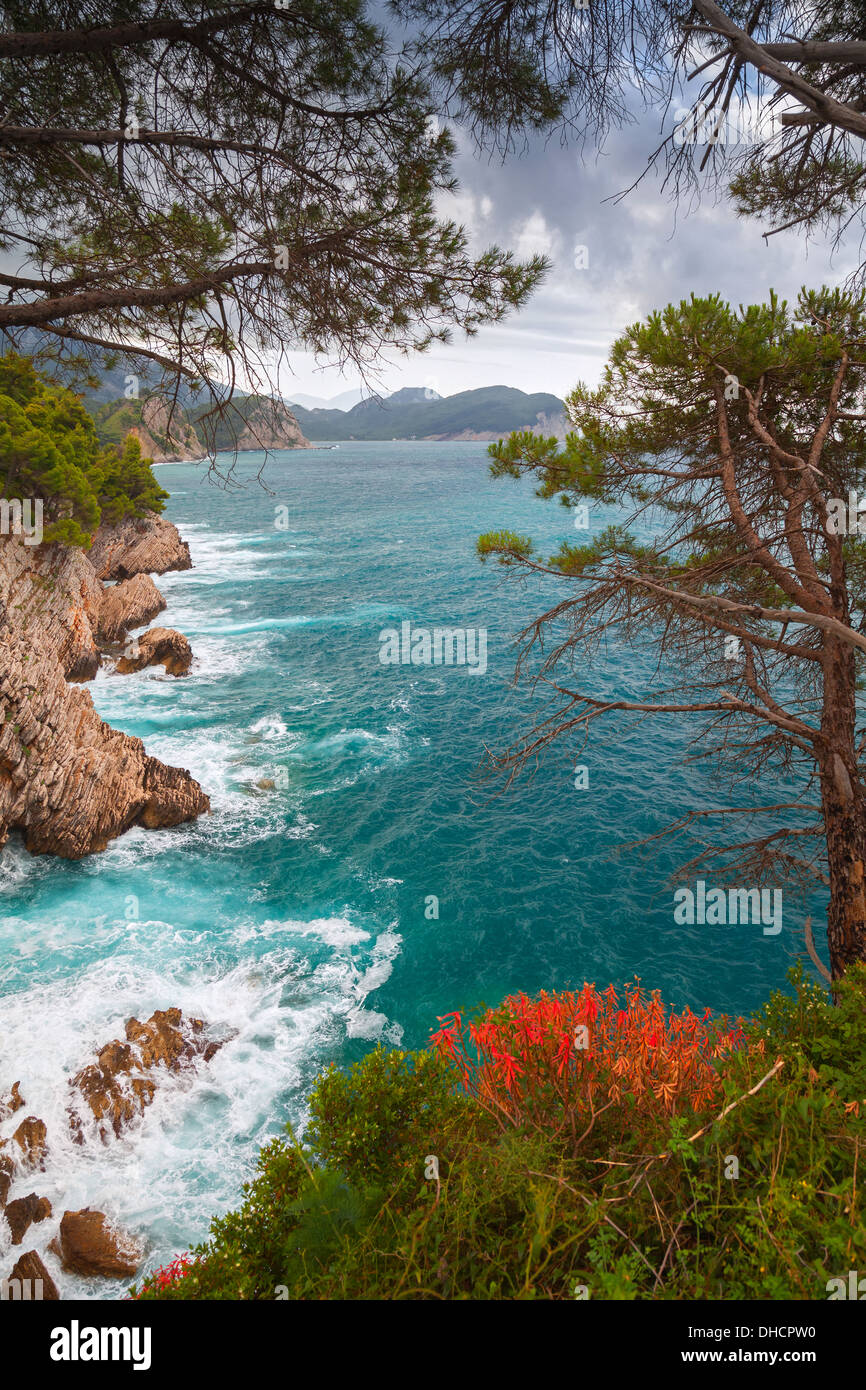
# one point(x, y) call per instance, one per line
point(357, 875)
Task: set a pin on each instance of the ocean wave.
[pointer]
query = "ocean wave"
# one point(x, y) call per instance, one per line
point(192, 1148)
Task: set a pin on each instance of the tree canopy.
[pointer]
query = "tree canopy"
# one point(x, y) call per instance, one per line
point(212, 185)
point(512, 66)
point(733, 440)
point(49, 450)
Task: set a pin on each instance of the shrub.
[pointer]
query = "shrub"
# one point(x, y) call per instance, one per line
point(570, 1055)
point(743, 1187)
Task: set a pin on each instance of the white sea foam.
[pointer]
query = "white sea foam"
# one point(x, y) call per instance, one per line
point(190, 1151)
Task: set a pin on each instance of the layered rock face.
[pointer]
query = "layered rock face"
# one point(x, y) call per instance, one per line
point(138, 546)
point(68, 781)
point(131, 603)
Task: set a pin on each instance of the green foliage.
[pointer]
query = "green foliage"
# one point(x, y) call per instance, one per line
point(50, 449)
point(527, 1214)
point(128, 487)
point(364, 1121)
point(507, 546)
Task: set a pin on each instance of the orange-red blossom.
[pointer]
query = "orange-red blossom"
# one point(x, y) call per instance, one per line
point(588, 1049)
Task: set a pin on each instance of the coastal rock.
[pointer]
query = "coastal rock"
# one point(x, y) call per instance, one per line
point(29, 1271)
point(88, 1243)
point(50, 593)
point(23, 1212)
point(148, 545)
point(117, 1089)
point(69, 781)
point(159, 646)
point(131, 603)
point(11, 1102)
point(31, 1136)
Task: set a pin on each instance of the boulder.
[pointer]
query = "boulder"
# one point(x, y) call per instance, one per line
point(89, 1243)
point(23, 1212)
point(159, 646)
point(30, 1271)
point(31, 1138)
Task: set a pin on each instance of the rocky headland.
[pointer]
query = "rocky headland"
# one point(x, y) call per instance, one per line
point(170, 433)
point(68, 781)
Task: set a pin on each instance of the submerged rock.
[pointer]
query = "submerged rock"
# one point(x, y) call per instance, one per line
point(88, 1243)
point(31, 1136)
point(159, 646)
point(11, 1102)
point(7, 1172)
point(117, 1089)
point(23, 1212)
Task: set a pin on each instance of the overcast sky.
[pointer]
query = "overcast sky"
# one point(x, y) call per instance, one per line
point(642, 253)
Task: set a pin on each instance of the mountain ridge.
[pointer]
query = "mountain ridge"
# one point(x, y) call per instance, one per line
point(487, 412)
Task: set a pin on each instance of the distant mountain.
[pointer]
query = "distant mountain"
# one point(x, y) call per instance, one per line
point(179, 431)
point(414, 412)
point(417, 412)
point(344, 401)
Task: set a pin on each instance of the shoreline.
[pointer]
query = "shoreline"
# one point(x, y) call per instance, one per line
point(325, 448)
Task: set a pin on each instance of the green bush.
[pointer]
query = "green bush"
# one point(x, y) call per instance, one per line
point(49, 449)
point(521, 1214)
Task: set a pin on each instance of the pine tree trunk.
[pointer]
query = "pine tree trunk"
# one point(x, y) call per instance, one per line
point(844, 807)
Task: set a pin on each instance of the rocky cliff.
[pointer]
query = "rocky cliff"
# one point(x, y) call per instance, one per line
point(164, 434)
point(270, 425)
point(170, 433)
point(251, 422)
point(68, 781)
point(136, 546)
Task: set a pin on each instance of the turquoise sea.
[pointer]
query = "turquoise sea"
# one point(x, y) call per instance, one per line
point(345, 795)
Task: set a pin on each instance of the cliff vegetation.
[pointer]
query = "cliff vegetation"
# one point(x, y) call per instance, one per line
point(673, 1156)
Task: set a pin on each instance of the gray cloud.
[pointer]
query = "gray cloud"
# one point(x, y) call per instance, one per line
point(643, 252)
